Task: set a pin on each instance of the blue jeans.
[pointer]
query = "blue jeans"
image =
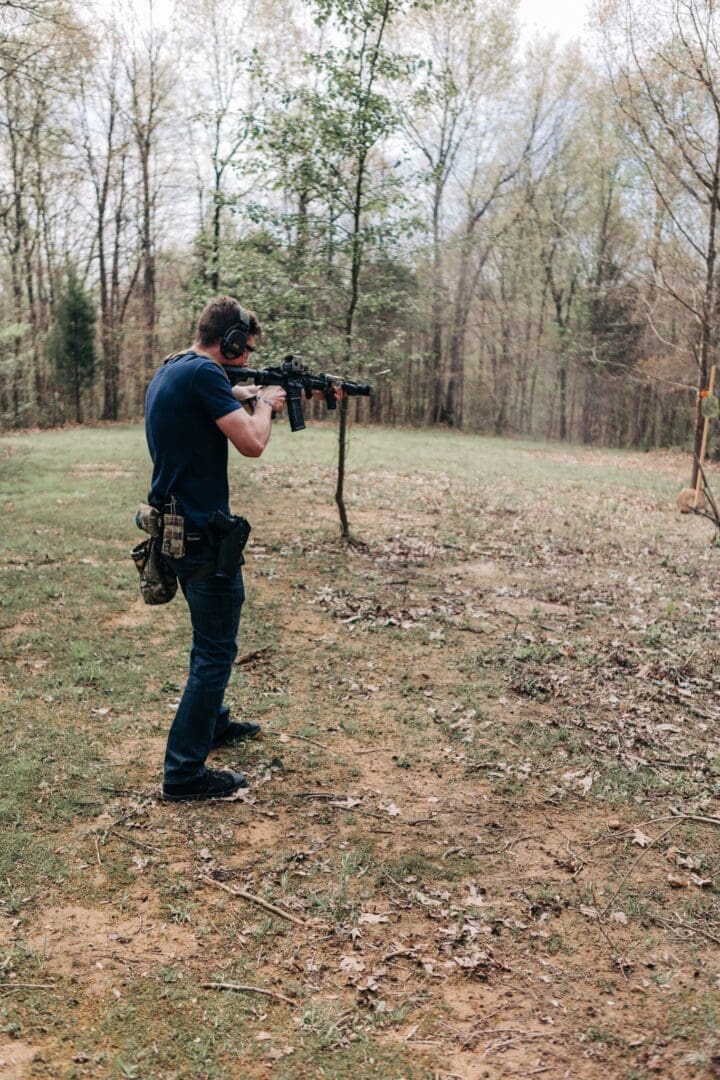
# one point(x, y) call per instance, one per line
point(201, 717)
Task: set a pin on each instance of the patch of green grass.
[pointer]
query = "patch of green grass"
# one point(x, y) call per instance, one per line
point(47, 783)
point(617, 784)
point(343, 1047)
point(539, 653)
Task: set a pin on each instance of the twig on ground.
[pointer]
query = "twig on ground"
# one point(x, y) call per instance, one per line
point(678, 924)
point(128, 816)
point(253, 899)
point(700, 819)
point(256, 654)
point(137, 843)
point(533, 1072)
point(241, 988)
point(292, 735)
point(462, 626)
point(26, 986)
point(505, 1044)
point(615, 952)
point(316, 795)
point(622, 834)
point(243, 798)
point(127, 791)
point(334, 801)
point(641, 856)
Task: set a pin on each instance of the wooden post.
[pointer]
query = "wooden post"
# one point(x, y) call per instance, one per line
point(703, 444)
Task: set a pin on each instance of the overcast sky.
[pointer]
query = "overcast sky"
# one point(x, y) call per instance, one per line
point(566, 18)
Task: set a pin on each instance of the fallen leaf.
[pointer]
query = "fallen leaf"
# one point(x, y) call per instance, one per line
point(475, 899)
point(642, 839)
point(585, 783)
point(276, 1054)
point(681, 859)
point(371, 918)
point(351, 965)
point(426, 901)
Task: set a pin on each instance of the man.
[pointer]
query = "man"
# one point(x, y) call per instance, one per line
point(191, 413)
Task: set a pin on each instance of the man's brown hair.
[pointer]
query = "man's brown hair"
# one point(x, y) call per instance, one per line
point(219, 315)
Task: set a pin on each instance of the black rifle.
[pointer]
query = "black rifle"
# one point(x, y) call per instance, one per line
point(296, 379)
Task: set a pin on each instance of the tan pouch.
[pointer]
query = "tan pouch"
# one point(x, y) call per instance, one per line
point(173, 533)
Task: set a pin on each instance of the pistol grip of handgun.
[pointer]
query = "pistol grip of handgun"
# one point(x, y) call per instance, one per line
point(330, 398)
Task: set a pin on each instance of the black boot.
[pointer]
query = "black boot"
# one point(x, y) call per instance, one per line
point(234, 733)
point(211, 785)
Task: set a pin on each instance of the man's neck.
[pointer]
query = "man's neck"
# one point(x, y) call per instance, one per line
point(211, 351)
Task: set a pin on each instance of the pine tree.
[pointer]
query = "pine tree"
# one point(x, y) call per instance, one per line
point(72, 341)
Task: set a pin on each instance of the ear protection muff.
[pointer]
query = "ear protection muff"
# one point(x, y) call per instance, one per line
point(234, 340)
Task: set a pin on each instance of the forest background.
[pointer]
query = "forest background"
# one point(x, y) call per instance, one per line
point(504, 235)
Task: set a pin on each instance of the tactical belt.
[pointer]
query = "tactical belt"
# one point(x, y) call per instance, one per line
point(225, 535)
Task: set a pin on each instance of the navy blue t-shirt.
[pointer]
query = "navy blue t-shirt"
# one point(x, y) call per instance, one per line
point(189, 451)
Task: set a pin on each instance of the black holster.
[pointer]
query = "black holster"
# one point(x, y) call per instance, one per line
point(230, 535)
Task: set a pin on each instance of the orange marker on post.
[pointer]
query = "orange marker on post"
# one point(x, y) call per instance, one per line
point(706, 425)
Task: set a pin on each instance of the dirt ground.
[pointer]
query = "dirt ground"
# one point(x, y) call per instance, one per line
point(481, 837)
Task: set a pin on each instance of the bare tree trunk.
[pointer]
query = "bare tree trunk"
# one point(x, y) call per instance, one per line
point(434, 387)
point(709, 308)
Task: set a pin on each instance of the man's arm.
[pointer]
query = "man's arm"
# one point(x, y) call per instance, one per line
point(248, 433)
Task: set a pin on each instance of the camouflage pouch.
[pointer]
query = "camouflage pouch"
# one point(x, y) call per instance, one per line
point(148, 519)
point(158, 584)
point(173, 533)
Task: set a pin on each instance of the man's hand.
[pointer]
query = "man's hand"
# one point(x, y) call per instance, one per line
point(274, 396)
point(337, 391)
point(249, 431)
point(243, 391)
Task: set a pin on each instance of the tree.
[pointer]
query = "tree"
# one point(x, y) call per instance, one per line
point(355, 116)
point(469, 67)
point(106, 143)
point(39, 45)
point(150, 77)
point(665, 63)
point(221, 111)
point(72, 341)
